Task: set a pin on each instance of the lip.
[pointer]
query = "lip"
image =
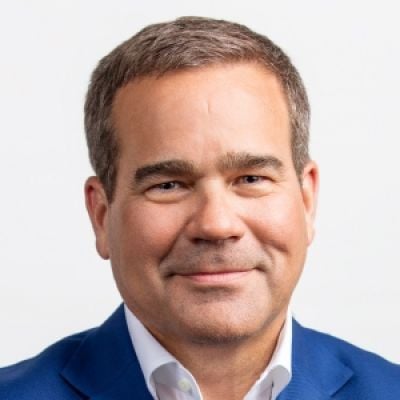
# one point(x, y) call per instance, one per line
point(216, 277)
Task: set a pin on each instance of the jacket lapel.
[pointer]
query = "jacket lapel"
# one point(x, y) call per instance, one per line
point(317, 373)
point(105, 366)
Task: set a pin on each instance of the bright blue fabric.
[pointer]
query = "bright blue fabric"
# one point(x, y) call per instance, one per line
point(100, 364)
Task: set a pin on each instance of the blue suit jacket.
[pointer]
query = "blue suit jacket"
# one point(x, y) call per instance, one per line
point(100, 364)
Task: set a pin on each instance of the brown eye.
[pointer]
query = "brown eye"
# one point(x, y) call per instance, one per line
point(167, 186)
point(167, 192)
point(251, 179)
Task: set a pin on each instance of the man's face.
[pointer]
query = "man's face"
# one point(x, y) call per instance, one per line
point(208, 229)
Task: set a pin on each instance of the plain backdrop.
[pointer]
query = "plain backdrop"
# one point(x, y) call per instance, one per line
point(52, 283)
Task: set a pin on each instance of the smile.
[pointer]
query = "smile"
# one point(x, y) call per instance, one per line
point(216, 277)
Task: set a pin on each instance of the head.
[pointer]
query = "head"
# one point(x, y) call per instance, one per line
point(204, 197)
point(186, 43)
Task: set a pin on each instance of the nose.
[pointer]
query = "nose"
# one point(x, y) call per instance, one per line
point(214, 218)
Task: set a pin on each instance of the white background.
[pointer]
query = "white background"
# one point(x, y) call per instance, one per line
point(52, 283)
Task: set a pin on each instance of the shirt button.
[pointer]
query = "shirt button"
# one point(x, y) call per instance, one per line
point(184, 385)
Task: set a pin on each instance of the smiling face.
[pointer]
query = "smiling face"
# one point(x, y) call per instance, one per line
point(208, 229)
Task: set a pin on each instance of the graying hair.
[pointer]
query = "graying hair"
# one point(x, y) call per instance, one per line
point(187, 42)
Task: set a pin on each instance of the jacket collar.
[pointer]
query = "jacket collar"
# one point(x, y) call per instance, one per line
point(317, 372)
point(105, 366)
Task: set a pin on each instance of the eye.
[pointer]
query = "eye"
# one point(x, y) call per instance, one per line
point(167, 192)
point(254, 185)
point(166, 186)
point(251, 179)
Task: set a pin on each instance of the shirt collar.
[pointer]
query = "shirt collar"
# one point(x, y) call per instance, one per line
point(279, 370)
point(152, 356)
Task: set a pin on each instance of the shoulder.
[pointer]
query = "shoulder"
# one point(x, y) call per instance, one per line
point(370, 371)
point(28, 378)
point(350, 354)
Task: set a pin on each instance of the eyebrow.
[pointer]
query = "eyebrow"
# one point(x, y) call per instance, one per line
point(230, 161)
point(171, 168)
point(243, 160)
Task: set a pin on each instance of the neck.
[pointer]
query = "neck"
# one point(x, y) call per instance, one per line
point(225, 371)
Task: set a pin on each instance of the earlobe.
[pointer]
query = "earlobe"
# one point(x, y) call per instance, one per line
point(310, 186)
point(97, 207)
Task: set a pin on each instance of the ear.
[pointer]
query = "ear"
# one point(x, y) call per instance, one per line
point(98, 208)
point(310, 186)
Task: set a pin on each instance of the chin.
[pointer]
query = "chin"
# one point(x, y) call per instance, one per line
point(225, 328)
point(219, 338)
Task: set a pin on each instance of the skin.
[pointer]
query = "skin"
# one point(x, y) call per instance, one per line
point(208, 230)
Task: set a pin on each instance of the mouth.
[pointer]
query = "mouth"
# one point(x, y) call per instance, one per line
point(216, 277)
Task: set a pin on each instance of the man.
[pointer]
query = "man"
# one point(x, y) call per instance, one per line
point(204, 201)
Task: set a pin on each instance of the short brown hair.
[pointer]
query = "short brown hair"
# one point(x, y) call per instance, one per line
point(187, 42)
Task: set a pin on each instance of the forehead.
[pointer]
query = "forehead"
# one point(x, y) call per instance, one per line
point(226, 106)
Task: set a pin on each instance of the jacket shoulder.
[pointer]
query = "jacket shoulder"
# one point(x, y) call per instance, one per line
point(351, 354)
point(39, 377)
point(374, 377)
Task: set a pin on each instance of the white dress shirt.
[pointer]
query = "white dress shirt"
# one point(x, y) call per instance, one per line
point(167, 379)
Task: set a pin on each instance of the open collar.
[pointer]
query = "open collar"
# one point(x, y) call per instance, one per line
point(155, 359)
point(105, 366)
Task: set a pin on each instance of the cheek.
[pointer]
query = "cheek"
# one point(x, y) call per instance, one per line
point(280, 228)
point(280, 223)
point(145, 231)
